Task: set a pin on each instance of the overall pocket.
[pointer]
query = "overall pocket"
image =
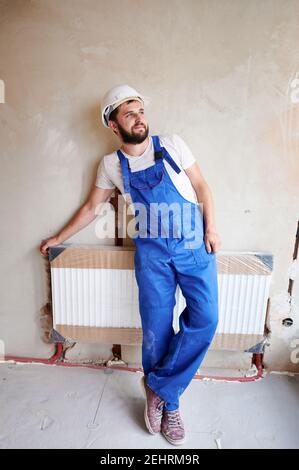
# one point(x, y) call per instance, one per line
point(202, 256)
point(146, 180)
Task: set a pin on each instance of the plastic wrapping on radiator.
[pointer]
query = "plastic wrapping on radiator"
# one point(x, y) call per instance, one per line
point(95, 296)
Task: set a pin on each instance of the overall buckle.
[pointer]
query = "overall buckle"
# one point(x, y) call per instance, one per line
point(158, 154)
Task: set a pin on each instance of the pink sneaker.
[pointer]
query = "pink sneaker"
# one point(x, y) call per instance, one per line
point(173, 427)
point(153, 408)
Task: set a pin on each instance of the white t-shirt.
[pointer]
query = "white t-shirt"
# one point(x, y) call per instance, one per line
point(109, 173)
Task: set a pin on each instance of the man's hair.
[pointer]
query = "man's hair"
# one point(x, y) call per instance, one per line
point(113, 115)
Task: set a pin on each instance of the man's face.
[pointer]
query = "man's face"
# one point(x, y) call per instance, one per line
point(131, 124)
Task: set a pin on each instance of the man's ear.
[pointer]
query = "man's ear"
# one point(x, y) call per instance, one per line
point(113, 127)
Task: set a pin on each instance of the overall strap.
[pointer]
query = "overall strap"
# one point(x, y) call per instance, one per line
point(161, 152)
point(125, 171)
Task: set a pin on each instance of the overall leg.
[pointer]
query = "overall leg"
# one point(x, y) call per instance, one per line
point(197, 278)
point(156, 280)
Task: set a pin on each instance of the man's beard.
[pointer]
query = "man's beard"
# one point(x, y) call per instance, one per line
point(132, 138)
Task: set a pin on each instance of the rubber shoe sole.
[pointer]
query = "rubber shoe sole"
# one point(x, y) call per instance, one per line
point(174, 442)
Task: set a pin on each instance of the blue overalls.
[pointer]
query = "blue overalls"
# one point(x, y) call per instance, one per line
point(165, 256)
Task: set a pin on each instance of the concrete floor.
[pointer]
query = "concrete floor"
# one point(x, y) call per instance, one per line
point(61, 407)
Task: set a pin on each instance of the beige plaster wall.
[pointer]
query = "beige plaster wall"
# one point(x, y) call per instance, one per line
point(222, 74)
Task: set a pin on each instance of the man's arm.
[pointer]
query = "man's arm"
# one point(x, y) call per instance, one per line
point(81, 219)
point(204, 196)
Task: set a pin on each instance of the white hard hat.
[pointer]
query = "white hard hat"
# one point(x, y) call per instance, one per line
point(115, 97)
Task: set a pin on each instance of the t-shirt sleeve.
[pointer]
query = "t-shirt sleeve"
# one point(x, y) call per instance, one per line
point(186, 156)
point(103, 180)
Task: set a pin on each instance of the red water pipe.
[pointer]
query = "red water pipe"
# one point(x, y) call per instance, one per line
point(52, 360)
point(58, 360)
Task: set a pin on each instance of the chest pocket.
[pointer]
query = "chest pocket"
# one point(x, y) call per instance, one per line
point(148, 178)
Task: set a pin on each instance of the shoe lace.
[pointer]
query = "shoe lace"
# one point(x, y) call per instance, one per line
point(159, 410)
point(174, 419)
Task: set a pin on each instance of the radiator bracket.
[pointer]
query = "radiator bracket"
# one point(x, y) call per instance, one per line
point(259, 347)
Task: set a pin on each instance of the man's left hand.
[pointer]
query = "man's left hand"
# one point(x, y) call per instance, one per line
point(212, 241)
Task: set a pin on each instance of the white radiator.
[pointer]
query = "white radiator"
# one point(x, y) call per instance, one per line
point(95, 296)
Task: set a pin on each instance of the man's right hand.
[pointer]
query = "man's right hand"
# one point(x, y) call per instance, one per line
point(45, 244)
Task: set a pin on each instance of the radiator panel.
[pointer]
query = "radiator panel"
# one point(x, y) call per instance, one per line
point(97, 303)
